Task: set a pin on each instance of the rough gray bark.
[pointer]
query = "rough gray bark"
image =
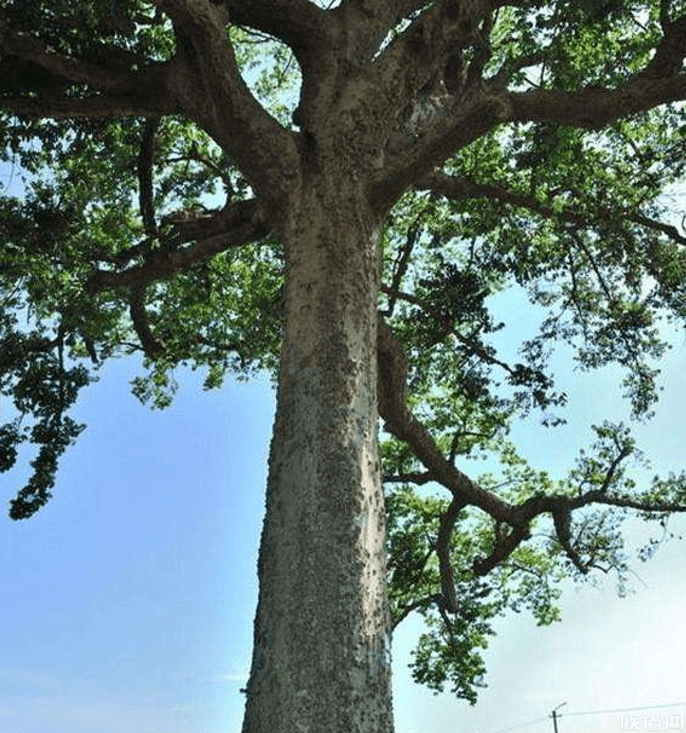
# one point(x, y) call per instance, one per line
point(321, 659)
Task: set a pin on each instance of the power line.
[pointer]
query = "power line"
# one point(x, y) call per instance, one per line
point(592, 712)
point(522, 725)
point(624, 710)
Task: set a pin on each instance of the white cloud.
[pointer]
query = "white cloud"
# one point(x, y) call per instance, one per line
point(233, 677)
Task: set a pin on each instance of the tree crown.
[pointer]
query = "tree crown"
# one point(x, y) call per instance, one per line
point(506, 145)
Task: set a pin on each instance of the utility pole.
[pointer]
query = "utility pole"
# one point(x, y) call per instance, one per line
point(554, 715)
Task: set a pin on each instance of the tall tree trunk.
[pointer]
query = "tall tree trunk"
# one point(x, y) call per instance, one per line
point(321, 659)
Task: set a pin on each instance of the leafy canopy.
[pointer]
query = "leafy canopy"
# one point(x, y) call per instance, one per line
point(128, 228)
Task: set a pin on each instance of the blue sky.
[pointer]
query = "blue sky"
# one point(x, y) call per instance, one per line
point(131, 596)
point(127, 602)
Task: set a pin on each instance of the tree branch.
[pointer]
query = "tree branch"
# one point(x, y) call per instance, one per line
point(212, 92)
point(28, 48)
point(401, 423)
point(145, 188)
point(660, 82)
point(447, 328)
point(415, 478)
point(445, 533)
point(142, 102)
point(152, 346)
point(35, 81)
point(421, 603)
point(295, 22)
point(594, 108)
point(461, 189)
point(442, 30)
point(562, 520)
point(241, 223)
point(504, 546)
point(402, 262)
point(458, 118)
point(372, 20)
point(456, 121)
point(434, 100)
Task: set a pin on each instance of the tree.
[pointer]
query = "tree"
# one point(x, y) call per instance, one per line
point(178, 203)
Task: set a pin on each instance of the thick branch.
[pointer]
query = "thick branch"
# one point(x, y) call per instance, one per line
point(23, 46)
point(35, 81)
point(141, 102)
point(661, 81)
point(240, 224)
point(442, 30)
point(212, 92)
point(592, 107)
point(145, 186)
point(482, 104)
point(415, 478)
point(372, 20)
point(461, 189)
point(457, 123)
point(295, 22)
point(400, 422)
point(445, 532)
point(434, 102)
point(503, 548)
point(152, 346)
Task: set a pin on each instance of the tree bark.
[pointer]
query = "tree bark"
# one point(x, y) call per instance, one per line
point(321, 658)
